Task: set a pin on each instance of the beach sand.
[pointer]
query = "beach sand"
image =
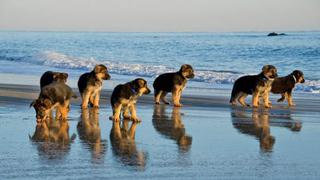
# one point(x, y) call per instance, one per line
point(205, 139)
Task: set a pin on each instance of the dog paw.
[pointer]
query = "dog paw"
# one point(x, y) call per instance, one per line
point(268, 106)
point(96, 106)
point(84, 107)
point(178, 105)
point(291, 105)
point(115, 119)
point(126, 117)
point(135, 119)
point(157, 103)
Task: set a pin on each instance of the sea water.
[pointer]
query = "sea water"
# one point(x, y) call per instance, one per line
point(218, 58)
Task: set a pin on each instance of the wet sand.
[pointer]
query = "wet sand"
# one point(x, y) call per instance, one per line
point(205, 139)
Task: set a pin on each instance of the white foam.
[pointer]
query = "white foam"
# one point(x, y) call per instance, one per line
point(59, 60)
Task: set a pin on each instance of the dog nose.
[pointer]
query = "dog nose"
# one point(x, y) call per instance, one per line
point(302, 81)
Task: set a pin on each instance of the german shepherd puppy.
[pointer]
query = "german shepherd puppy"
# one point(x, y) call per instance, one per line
point(285, 85)
point(172, 82)
point(257, 85)
point(49, 76)
point(55, 95)
point(90, 85)
point(124, 98)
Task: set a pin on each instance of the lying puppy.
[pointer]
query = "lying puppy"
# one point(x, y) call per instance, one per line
point(172, 82)
point(124, 98)
point(257, 85)
point(55, 95)
point(285, 85)
point(90, 85)
point(49, 76)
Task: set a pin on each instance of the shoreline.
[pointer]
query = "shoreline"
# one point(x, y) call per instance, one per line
point(304, 102)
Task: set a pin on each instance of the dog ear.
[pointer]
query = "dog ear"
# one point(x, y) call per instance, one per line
point(47, 103)
point(99, 68)
point(141, 82)
point(184, 67)
point(65, 76)
point(265, 68)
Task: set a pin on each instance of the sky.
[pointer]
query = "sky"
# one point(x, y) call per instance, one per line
point(160, 15)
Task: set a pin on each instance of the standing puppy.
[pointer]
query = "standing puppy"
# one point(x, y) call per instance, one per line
point(257, 85)
point(90, 85)
point(285, 85)
point(49, 76)
point(124, 98)
point(172, 82)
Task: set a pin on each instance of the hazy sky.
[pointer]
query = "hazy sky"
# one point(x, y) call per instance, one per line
point(160, 15)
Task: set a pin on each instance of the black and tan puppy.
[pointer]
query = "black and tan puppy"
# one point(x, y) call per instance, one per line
point(257, 85)
point(124, 98)
point(49, 76)
point(90, 85)
point(174, 83)
point(285, 85)
point(55, 95)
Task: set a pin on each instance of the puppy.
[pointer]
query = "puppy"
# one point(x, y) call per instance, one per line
point(285, 85)
point(49, 76)
point(124, 98)
point(90, 85)
point(172, 82)
point(257, 85)
point(55, 95)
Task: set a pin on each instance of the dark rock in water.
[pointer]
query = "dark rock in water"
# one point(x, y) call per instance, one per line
point(276, 34)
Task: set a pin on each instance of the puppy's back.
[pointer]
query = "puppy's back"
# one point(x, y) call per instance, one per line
point(282, 85)
point(46, 78)
point(57, 91)
point(83, 81)
point(165, 82)
point(246, 84)
point(120, 91)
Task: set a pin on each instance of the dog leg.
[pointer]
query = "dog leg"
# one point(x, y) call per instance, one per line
point(283, 97)
point(116, 112)
point(163, 98)
point(241, 100)
point(126, 114)
point(290, 102)
point(96, 100)
point(175, 97)
point(85, 100)
point(255, 99)
point(134, 113)
point(266, 100)
point(64, 109)
point(157, 95)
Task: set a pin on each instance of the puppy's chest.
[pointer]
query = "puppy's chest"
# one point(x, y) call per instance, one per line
point(264, 85)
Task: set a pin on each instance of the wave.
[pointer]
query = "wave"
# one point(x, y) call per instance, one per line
point(59, 60)
point(63, 61)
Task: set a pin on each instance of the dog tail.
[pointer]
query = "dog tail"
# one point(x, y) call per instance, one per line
point(233, 94)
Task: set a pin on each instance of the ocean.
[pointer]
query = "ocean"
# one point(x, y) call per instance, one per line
point(218, 58)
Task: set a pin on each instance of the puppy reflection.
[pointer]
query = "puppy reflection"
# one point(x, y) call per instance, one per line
point(258, 126)
point(52, 138)
point(171, 127)
point(123, 144)
point(90, 133)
